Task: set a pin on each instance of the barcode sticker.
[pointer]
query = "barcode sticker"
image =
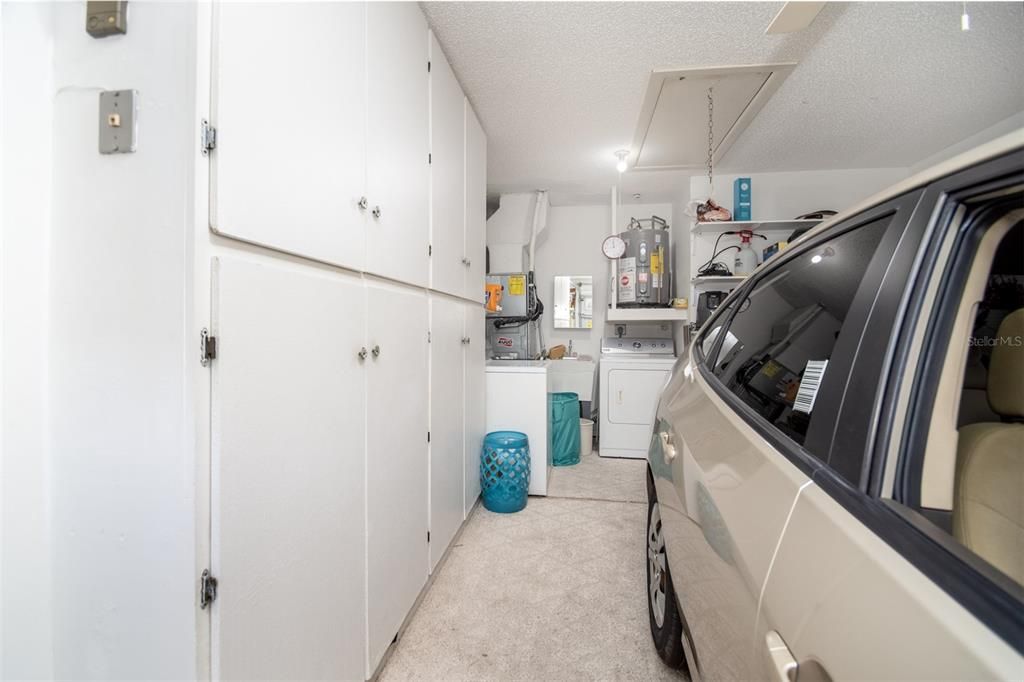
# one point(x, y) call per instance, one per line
point(809, 385)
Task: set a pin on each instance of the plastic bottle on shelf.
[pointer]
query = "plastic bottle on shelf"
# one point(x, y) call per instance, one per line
point(746, 259)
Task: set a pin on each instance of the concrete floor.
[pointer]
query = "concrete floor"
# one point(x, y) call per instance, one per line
point(555, 592)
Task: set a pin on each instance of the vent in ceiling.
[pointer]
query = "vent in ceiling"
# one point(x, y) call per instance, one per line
point(672, 132)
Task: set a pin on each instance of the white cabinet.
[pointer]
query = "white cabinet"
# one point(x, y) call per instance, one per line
point(323, 133)
point(474, 413)
point(447, 176)
point(287, 471)
point(517, 400)
point(446, 423)
point(397, 171)
point(476, 206)
point(287, 174)
point(396, 450)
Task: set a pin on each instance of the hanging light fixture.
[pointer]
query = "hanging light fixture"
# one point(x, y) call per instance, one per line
point(621, 155)
point(965, 20)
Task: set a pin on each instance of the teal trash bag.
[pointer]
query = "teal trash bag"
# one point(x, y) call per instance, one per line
point(564, 428)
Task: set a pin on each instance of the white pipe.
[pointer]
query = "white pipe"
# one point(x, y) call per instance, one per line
point(613, 291)
point(540, 211)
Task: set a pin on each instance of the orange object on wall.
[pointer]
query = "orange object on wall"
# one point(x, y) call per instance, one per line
point(493, 292)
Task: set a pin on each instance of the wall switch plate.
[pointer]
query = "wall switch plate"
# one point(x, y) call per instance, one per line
point(106, 18)
point(118, 121)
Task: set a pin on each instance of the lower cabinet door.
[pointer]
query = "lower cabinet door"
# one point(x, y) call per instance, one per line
point(287, 474)
point(475, 412)
point(396, 459)
point(446, 435)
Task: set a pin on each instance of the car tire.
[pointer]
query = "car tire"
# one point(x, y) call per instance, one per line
point(666, 621)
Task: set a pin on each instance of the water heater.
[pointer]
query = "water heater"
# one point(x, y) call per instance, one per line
point(645, 268)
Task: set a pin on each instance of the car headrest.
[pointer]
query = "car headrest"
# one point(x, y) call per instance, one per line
point(1006, 369)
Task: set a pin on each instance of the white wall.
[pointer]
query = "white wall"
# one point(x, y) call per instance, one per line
point(1012, 124)
point(571, 245)
point(26, 112)
point(122, 451)
point(508, 231)
point(780, 196)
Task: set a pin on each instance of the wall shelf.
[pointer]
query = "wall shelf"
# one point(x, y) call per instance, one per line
point(724, 279)
point(752, 225)
point(647, 315)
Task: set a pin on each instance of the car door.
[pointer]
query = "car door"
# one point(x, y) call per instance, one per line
point(871, 579)
point(750, 419)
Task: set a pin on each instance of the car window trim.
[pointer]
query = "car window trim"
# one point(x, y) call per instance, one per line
point(936, 346)
point(968, 580)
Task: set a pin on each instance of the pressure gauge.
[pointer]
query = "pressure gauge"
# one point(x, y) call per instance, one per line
point(613, 247)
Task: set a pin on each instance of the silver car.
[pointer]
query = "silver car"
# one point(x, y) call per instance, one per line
point(836, 474)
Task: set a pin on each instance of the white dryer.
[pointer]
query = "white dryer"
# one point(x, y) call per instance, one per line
point(633, 374)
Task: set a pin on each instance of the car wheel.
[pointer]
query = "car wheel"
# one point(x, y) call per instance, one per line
point(666, 623)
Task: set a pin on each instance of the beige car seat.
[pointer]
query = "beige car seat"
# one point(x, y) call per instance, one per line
point(988, 508)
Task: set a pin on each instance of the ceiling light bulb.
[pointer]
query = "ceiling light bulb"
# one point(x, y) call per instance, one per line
point(621, 166)
point(965, 20)
point(815, 258)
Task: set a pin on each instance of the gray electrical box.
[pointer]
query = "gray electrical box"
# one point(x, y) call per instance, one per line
point(118, 121)
point(106, 18)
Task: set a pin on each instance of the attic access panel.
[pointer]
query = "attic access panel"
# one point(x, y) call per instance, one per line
point(672, 131)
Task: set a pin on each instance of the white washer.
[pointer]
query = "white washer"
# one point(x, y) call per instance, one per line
point(633, 374)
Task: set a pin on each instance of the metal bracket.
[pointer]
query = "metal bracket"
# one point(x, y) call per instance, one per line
point(208, 138)
point(207, 589)
point(207, 347)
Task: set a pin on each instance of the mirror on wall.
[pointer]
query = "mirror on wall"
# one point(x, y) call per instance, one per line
point(574, 302)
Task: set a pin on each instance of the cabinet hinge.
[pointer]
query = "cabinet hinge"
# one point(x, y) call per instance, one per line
point(208, 140)
point(207, 347)
point(428, 67)
point(207, 589)
point(428, 337)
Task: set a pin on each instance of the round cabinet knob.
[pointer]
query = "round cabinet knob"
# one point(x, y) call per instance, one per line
point(363, 203)
point(376, 212)
point(376, 351)
point(637, 345)
point(362, 353)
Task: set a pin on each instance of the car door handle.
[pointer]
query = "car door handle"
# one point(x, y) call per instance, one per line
point(783, 664)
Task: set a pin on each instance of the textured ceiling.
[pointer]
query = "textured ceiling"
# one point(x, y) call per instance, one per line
point(558, 86)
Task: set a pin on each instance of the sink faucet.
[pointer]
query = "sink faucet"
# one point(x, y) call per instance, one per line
point(570, 346)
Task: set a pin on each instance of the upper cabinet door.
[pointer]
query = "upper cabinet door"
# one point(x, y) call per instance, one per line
point(476, 206)
point(290, 111)
point(398, 173)
point(447, 176)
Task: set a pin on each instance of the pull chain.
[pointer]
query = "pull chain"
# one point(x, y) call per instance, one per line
point(711, 144)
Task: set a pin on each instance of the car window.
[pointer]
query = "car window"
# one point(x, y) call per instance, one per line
point(781, 338)
point(972, 469)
